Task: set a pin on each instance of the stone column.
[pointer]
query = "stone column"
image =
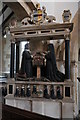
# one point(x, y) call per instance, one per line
point(67, 57)
point(12, 60)
point(17, 57)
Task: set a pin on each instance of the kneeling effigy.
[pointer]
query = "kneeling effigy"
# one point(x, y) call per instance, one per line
point(33, 63)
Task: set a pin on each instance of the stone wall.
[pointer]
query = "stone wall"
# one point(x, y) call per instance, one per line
point(6, 54)
point(78, 50)
point(0, 51)
point(74, 59)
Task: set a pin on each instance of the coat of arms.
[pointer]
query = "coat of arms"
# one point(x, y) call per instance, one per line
point(38, 14)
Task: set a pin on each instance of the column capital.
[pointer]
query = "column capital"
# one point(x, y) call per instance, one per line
point(12, 40)
point(67, 34)
point(17, 43)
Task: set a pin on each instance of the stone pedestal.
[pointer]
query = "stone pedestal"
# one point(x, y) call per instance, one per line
point(52, 108)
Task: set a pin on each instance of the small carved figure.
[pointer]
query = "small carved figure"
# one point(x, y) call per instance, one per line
point(23, 91)
point(46, 95)
point(28, 92)
point(17, 93)
point(34, 92)
point(59, 96)
point(52, 94)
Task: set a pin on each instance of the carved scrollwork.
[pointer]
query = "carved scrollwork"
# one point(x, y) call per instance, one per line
point(38, 16)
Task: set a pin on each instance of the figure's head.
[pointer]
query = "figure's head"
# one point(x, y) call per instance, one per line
point(51, 47)
point(27, 46)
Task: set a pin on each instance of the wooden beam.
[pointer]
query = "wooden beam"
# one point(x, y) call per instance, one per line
point(18, 9)
point(25, 6)
point(32, 4)
point(21, 8)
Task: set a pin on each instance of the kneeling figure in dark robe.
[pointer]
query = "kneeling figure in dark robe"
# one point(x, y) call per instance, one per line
point(52, 72)
point(26, 64)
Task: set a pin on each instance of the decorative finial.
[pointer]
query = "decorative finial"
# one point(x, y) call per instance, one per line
point(66, 16)
point(50, 19)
